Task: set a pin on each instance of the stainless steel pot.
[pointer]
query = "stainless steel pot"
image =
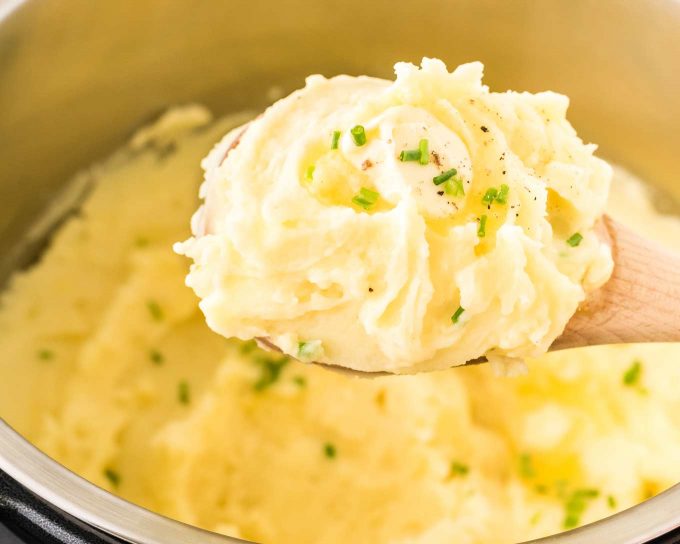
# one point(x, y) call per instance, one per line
point(77, 77)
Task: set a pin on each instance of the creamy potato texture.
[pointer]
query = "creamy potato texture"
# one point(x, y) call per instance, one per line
point(451, 224)
point(108, 366)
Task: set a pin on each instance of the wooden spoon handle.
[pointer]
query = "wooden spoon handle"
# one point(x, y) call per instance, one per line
point(640, 302)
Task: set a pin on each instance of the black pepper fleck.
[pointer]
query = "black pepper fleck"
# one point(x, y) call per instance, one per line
point(436, 159)
point(440, 193)
point(484, 129)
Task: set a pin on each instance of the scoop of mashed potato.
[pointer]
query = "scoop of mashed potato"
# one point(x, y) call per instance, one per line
point(108, 366)
point(401, 226)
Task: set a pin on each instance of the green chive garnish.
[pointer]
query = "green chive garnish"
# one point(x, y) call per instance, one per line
point(309, 173)
point(300, 380)
point(459, 469)
point(156, 357)
point(444, 176)
point(490, 195)
point(502, 197)
point(456, 315)
point(423, 147)
point(336, 139)
point(358, 135)
point(270, 371)
point(611, 501)
point(526, 466)
point(308, 351)
point(576, 505)
point(454, 187)
point(481, 231)
point(365, 198)
point(247, 347)
point(575, 239)
point(632, 376)
point(329, 450)
point(45, 354)
point(112, 476)
point(183, 393)
point(155, 310)
point(409, 155)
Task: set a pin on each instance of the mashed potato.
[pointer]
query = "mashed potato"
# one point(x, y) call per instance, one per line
point(108, 366)
point(453, 223)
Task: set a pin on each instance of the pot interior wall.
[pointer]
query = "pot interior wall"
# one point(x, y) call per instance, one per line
point(77, 77)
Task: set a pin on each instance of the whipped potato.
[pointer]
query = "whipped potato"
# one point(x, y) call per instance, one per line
point(401, 226)
point(145, 401)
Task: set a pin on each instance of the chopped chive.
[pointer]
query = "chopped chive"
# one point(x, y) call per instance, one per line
point(300, 380)
point(45, 354)
point(409, 155)
point(246, 347)
point(444, 176)
point(270, 371)
point(571, 520)
point(459, 469)
point(526, 466)
point(535, 518)
point(481, 231)
point(156, 357)
point(490, 195)
point(632, 376)
point(456, 315)
point(183, 393)
point(329, 450)
point(309, 173)
point(358, 135)
point(423, 147)
point(576, 505)
point(309, 351)
point(454, 187)
point(335, 140)
point(611, 501)
point(575, 239)
point(155, 310)
point(502, 197)
point(365, 198)
point(112, 476)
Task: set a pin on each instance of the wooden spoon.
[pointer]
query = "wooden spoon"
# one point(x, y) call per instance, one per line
point(640, 302)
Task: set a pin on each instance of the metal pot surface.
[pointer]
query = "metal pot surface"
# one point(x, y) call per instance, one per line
point(78, 76)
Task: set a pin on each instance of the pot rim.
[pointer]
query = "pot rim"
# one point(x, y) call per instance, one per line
point(97, 507)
